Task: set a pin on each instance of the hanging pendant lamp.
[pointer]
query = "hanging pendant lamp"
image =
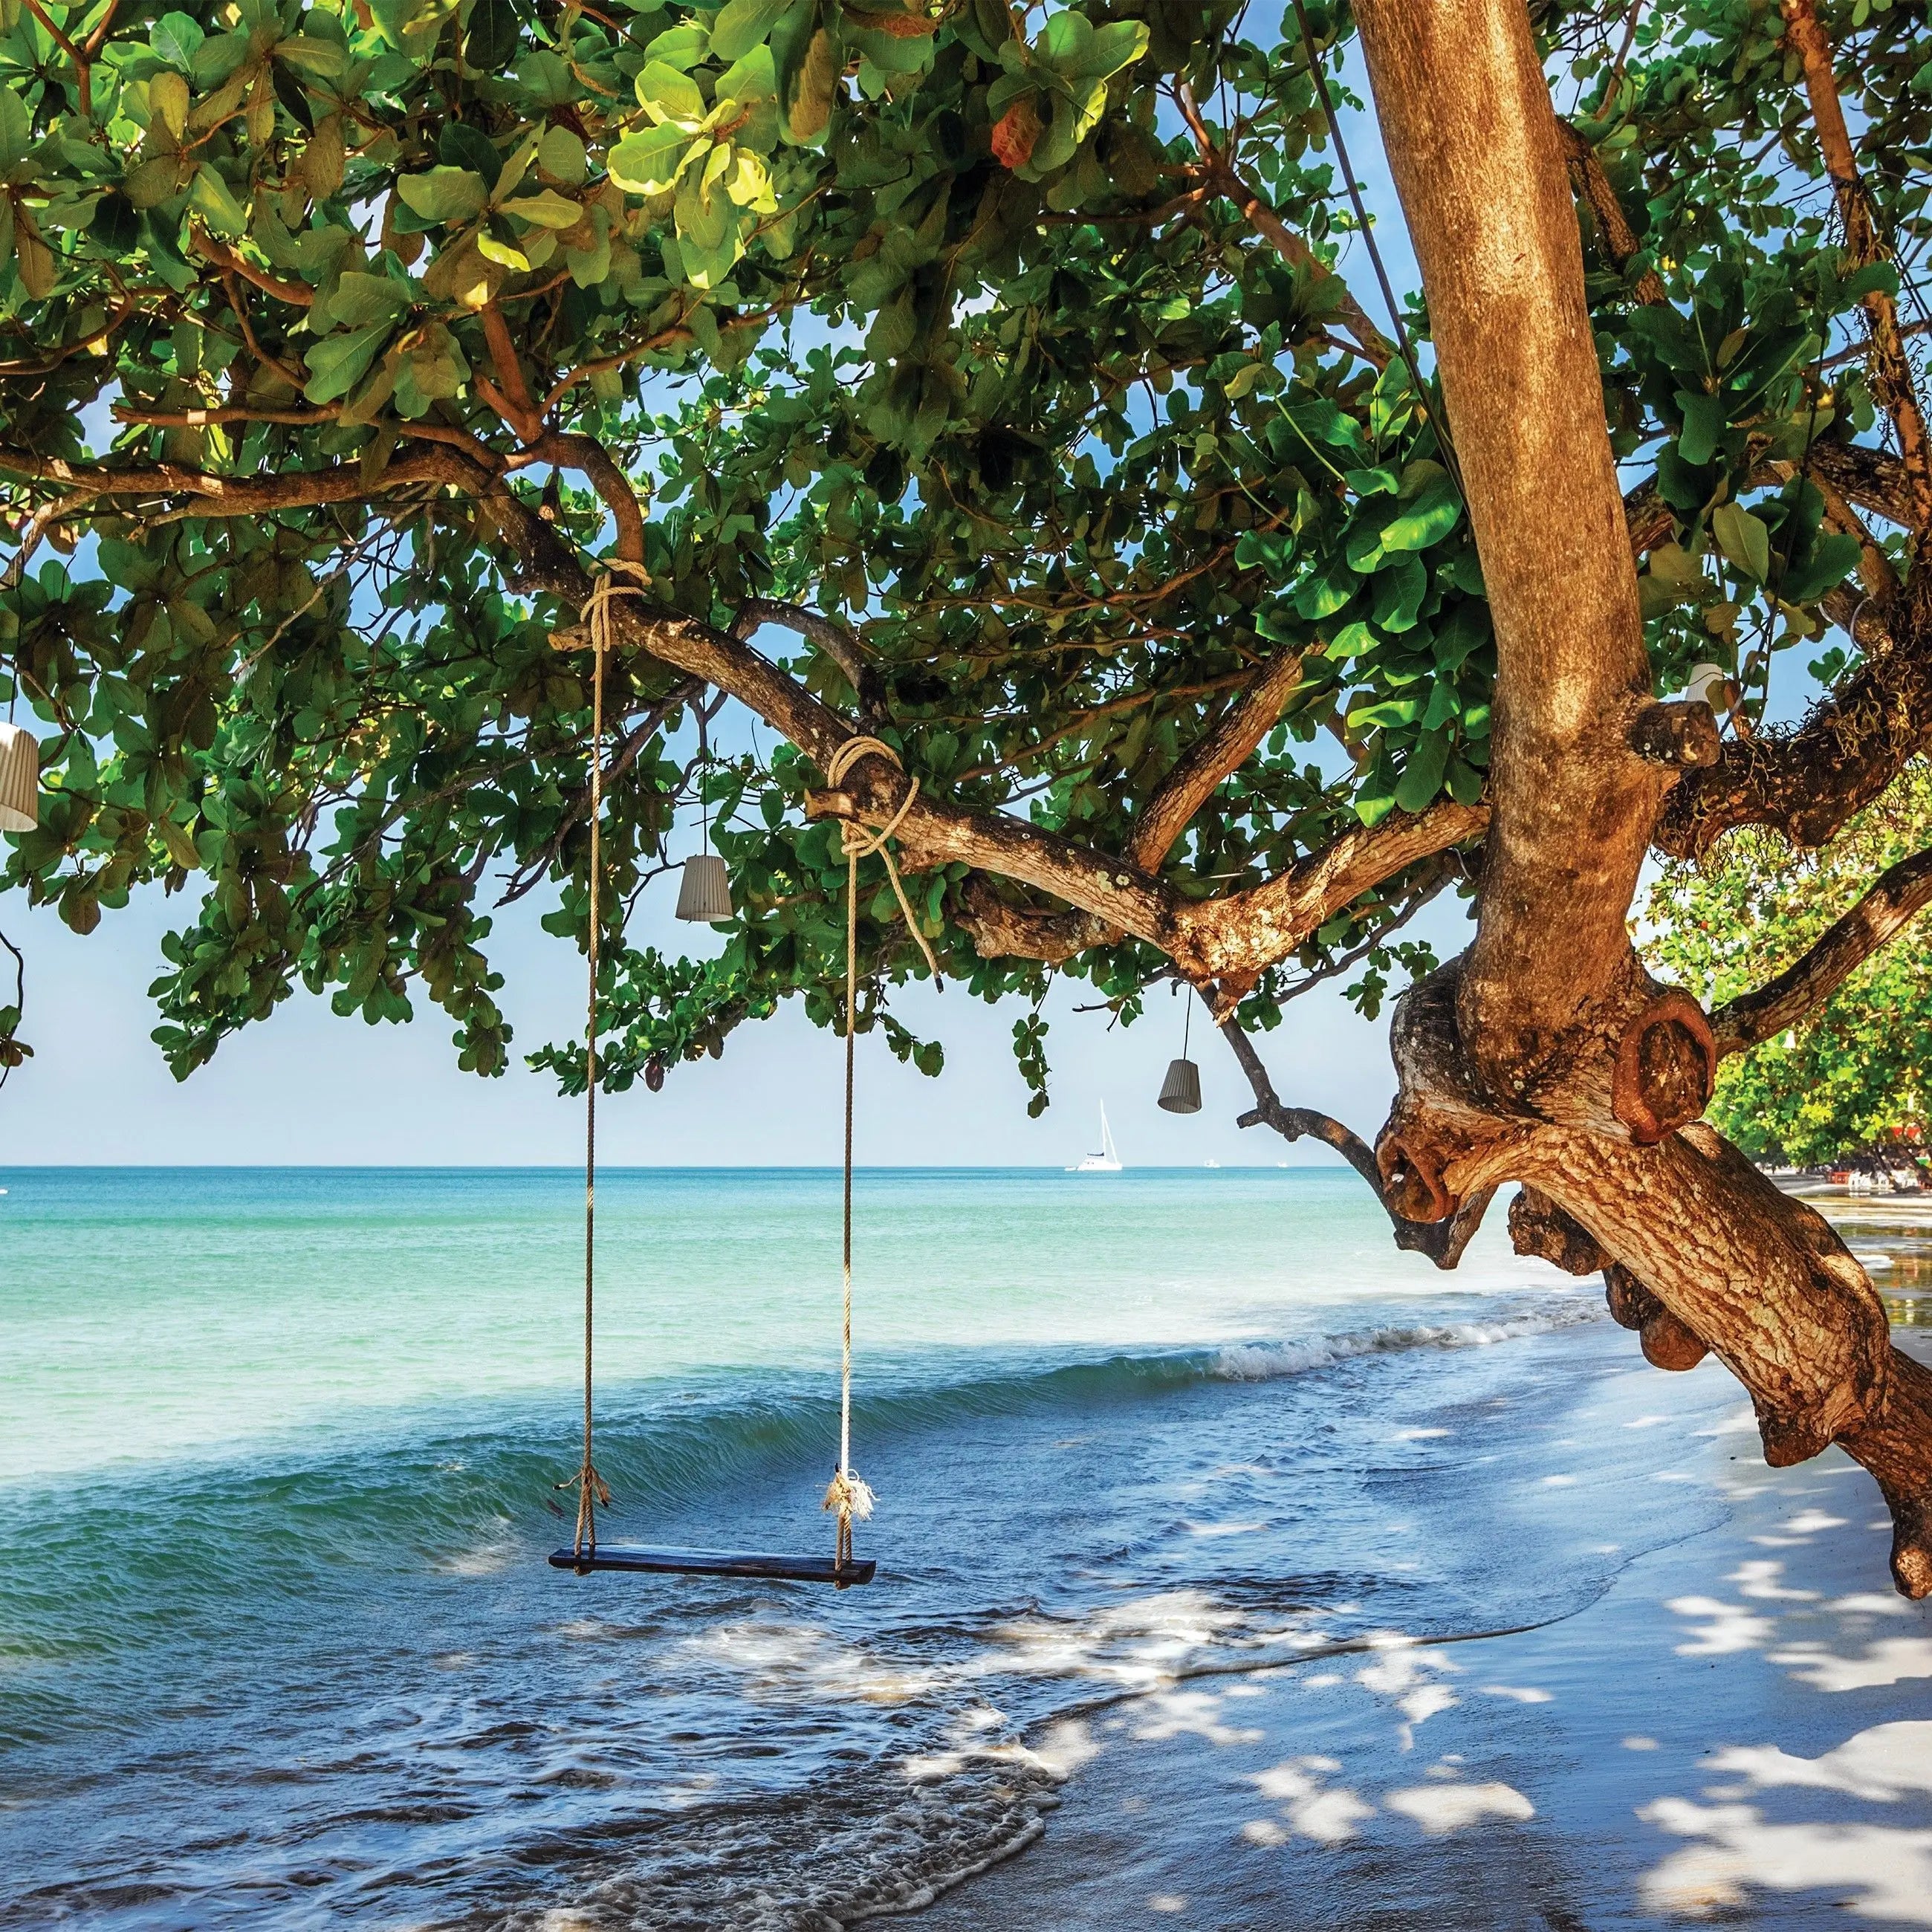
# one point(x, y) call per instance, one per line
point(1710, 684)
point(1180, 1091)
point(704, 892)
point(19, 779)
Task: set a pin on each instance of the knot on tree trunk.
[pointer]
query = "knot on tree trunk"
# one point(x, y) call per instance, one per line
point(1538, 1226)
point(1440, 1115)
point(1666, 1339)
point(1667, 1066)
point(1412, 1184)
point(1680, 736)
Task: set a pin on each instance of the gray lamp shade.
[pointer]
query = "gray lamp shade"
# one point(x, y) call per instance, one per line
point(704, 893)
point(20, 780)
point(1180, 1092)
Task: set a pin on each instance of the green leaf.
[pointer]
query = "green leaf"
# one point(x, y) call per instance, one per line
point(177, 38)
point(650, 162)
point(210, 198)
point(1744, 539)
point(560, 153)
point(1399, 587)
point(743, 24)
point(444, 194)
point(546, 209)
point(1430, 516)
point(547, 80)
point(359, 300)
point(666, 95)
point(16, 132)
point(1422, 776)
point(461, 145)
point(1110, 48)
point(504, 253)
point(490, 44)
point(312, 55)
point(338, 362)
point(1703, 425)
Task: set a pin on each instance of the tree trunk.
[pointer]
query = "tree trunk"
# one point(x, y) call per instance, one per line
point(1546, 1054)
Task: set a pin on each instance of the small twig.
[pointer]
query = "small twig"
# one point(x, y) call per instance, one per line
point(535, 867)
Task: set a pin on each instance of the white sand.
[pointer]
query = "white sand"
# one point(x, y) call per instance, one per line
point(1739, 1732)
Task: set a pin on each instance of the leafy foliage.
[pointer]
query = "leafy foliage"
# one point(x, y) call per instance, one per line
point(935, 320)
point(1858, 1072)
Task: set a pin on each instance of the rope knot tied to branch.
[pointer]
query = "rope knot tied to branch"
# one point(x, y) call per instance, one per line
point(858, 843)
point(617, 576)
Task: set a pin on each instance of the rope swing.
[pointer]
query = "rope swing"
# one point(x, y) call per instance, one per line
point(591, 1488)
point(848, 1492)
point(849, 1496)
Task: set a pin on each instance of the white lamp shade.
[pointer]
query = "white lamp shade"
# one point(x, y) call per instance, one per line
point(1180, 1092)
point(704, 893)
point(20, 780)
point(1707, 684)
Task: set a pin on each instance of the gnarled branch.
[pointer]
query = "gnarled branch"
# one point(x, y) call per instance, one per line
point(1806, 783)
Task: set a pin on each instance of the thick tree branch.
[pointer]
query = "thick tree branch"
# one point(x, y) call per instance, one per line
point(1242, 932)
point(1473, 147)
point(1873, 479)
point(590, 459)
point(1901, 891)
point(1593, 189)
point(1806, 783)
point(1205, 765)
point(248, 496)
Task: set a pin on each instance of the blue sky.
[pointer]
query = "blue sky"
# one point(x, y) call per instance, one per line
point(307, 1086)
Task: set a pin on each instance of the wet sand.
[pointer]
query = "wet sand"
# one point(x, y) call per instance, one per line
point(1738, 1732)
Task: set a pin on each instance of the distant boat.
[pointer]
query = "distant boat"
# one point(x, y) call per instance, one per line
point(1211, 1163)
point(1108, 1160)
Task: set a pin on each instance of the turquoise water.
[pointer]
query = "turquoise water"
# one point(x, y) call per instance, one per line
point(278, 1646)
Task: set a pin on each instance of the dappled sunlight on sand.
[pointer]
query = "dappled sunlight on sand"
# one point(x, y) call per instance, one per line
point(1440, 1808)
point(1740, 1732)
point(1884, 1871)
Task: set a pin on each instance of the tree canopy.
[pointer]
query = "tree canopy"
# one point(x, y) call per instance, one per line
point(1005, 342)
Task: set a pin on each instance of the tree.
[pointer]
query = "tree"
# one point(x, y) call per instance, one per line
point(985, 383)
point(1847, 1075)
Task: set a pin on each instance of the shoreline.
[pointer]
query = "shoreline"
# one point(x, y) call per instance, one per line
point(1738, 1730)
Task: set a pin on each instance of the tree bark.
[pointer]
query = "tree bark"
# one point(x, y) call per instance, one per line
point(1473, 146)
point(1546, 1055)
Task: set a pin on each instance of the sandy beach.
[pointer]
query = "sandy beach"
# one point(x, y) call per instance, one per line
point(1738, 1732)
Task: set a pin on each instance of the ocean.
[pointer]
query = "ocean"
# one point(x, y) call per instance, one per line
point(279, 1647)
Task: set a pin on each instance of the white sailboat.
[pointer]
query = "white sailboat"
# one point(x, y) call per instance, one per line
point(1108, 1160)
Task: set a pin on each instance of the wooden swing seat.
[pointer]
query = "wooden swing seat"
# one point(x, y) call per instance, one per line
point(715, 1563)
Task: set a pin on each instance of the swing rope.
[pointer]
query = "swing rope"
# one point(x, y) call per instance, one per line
point(849, 1493)
point(591, 1488)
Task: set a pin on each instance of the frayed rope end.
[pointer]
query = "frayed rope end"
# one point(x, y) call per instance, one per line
point(851, 1494)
